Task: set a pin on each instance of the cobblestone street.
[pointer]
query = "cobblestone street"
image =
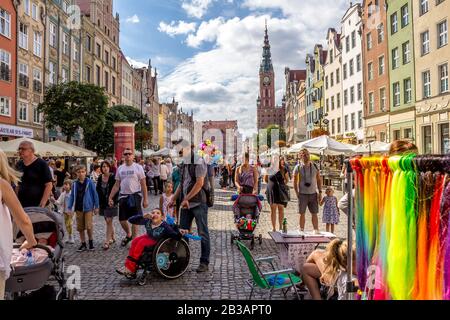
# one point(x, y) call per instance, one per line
point(227, 271)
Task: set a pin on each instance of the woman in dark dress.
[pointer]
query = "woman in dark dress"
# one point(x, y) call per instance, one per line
point(105, 184)
point(276, 182)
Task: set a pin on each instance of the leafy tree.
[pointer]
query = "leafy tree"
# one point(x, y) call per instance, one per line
point(103, 141)
point(74, 105)
point(280, 140)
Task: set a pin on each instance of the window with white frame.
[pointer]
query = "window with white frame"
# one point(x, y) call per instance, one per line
point(36, 115)
point(443, 78)
point(338, 125)
point(346, 122)
point(443, 35)
point(338, 78)
point(338, 101)
point(52, 38)
point(5, 23)
point(380, 31)
point(65, 40)
point(353, 39)
point(332, 126)
point(407, 87)
point(347, 44)
point(358, 63)
point(345, 97)
point(52, 72)
point(405, 15)
point(332, 103)
point(27, 7)
point(64, 75)
point(426, 81)
point(34, 11)
point(37, 43)
point(423, 6)
point(360, 119)
point(76, 56)
point(352, 94)
point(353, 121)
point(359, 91)
point(23, 111)
point(396, 92)
point(395, 58)
point(394, 23)
point(381, 65)
point(369, 41)
point(37, 74)
point(425, 39)
point(345, 70)
point(23, 69)
point(406, 49)
point(371, 102)
point(23, 36)
point(332, 79)
point(383, 99)
point(351, 67)
point(370, 70)
point(64, 6)
point(5, 65)
point(5, 106)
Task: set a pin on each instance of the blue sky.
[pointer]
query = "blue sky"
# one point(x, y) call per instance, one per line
point(207, 52)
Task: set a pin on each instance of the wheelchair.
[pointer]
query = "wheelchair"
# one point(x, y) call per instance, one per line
point(169, 258)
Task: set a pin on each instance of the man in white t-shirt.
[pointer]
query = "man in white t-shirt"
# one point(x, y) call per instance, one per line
point(130, 178)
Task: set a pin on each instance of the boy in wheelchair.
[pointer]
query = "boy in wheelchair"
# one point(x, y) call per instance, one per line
point(156, 229)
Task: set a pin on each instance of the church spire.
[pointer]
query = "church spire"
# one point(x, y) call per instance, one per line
point(266, 62)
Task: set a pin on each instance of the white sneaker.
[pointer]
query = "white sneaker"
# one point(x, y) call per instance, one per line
point(70, 240)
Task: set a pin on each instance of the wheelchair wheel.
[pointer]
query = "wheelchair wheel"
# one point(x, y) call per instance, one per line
point(171, 258)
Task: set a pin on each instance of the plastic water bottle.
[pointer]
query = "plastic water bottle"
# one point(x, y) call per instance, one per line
point(30, 259)
point(284, 225)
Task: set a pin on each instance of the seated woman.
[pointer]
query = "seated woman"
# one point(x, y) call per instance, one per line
point(326, 267)
point(156, 229)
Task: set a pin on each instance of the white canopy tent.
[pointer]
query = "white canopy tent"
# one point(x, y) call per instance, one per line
point(372, 147)
point(323, 145)
point(42, 149)
point(164, 152)
point(73, 150)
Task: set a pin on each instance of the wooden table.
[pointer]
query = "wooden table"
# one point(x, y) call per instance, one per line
point(295, 250)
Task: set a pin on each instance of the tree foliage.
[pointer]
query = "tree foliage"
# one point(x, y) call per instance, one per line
point(281, 138)
point(74, 105)
point(103, 141)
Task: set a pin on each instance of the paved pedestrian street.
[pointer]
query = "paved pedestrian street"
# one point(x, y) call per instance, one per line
point(227, 270)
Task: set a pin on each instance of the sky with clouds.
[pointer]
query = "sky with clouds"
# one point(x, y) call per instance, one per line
point(207, 52)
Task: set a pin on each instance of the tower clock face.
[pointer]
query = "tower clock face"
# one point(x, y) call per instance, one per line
point(266, 80)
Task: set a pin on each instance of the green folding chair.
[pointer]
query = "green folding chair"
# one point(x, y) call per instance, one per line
point(260, 280)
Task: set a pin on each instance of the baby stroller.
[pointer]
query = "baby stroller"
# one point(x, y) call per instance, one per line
point(246, 209)
point(24, 281)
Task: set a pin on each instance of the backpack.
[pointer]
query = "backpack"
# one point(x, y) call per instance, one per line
point(206, 187)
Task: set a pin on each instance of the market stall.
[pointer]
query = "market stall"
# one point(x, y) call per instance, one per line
point(41, 149)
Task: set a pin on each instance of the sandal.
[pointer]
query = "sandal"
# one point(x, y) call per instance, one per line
point(125, 241)
point(106, 246)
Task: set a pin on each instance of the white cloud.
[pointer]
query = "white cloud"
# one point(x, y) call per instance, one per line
point(135, 63)
point(207, 32)
point(223, 83)
point(177, 28)
point(134, 19)
point(196, 8)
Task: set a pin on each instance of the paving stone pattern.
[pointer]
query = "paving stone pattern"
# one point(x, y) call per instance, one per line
point(227, 270)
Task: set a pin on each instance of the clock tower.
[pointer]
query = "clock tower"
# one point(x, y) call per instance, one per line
point(267, 112)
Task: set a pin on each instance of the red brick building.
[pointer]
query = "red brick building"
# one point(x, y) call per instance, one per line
point(221, 133)
point(267, 112)
point(8, 72)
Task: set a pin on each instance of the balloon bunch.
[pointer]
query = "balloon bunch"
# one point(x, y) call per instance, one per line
point(208, 151)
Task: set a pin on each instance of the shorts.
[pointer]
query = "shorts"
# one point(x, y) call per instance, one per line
point(310, 201)
point(129, 206)
point(109, 212)
point(84, 221)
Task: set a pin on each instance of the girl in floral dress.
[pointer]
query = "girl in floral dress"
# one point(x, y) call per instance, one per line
point(330, 210)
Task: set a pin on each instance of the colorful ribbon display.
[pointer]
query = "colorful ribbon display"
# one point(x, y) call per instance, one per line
point(402, 207)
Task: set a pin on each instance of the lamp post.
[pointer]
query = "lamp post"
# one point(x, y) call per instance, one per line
point(148, 104)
